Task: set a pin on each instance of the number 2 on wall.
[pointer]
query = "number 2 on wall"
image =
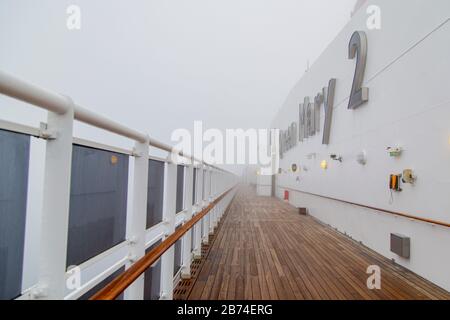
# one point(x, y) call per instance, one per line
point(358, 48)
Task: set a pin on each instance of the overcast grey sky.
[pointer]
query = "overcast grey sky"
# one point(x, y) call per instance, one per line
point(159, 65)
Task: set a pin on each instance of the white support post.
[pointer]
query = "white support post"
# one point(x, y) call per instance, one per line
point(212, 216)
point(137, 227)
point(210, 199)
point(56, 201)
point(215, 195)
point(198, 226)
point(186, 264)
point(169, 208)
point(205, 220)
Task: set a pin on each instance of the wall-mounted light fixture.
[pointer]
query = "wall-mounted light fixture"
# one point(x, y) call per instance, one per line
point(294, 168)
point(324, 164)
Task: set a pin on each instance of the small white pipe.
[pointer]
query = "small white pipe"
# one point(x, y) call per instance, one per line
point(24, 91)
point(96, 120)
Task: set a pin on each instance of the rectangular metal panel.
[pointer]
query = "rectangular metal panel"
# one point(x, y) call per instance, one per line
point(152, 278)
point(203, 185)
point(201, 226)
point(155, 193)
point(194, 178)
point(400, 245)
point(192, 239)
point(178, 260)
point(14, 162)
point(98, 202)
point(180, 188)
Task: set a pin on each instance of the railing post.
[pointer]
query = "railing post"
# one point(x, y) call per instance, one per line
point(198, 204)
point(215, 195)
point(56, 201)
point(187, 256)
point(169, 208)
point(205, 220)
point(138, 219)
point(212, 216)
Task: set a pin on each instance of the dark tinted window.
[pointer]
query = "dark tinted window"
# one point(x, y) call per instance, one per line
point(210, 183)
point(194, 187)
point(192, 240)
point(180, 188)
point(155, 192)
point(14, 159)
point(203, 185)
point(152, 278)
point(202, 230)
point(98, 202)
point(177, 262)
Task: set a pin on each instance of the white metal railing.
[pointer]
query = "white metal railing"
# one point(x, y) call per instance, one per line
point(58, 133)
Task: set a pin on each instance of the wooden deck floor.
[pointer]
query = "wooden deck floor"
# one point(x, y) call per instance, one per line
point(265, 250)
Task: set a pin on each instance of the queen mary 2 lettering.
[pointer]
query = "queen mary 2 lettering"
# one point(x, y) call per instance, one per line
point(309, 119)
point(309, 111)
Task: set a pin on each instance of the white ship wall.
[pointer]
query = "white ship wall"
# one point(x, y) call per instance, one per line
point(408, 75)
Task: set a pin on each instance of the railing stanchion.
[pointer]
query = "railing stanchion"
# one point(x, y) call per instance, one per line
point(199, 225)
point(169, 212)
point(137, 222)
point(56, 200)
point(187, 256)
point(205, 239)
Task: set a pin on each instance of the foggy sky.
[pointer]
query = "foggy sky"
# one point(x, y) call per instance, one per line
point(159, 65)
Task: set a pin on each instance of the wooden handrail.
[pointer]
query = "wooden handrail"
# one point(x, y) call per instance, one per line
point(123, 281)
point(439, 223)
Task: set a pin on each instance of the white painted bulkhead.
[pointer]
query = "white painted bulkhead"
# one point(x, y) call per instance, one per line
point(408, 76)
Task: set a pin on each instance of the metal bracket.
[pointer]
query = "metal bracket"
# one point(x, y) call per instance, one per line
point(135, 153)
point(133, 241)
point(132, 258)
point(46, 134)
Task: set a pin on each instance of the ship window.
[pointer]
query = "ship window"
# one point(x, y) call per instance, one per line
point(180, 188)
point(14, 160)
point(98, 202)
point(192, 239)
point(152, 278)
point(155, 193)
point(178, 255)
point(202, 229)
point(204, 185)
point(210, 183)
point(194, 187)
